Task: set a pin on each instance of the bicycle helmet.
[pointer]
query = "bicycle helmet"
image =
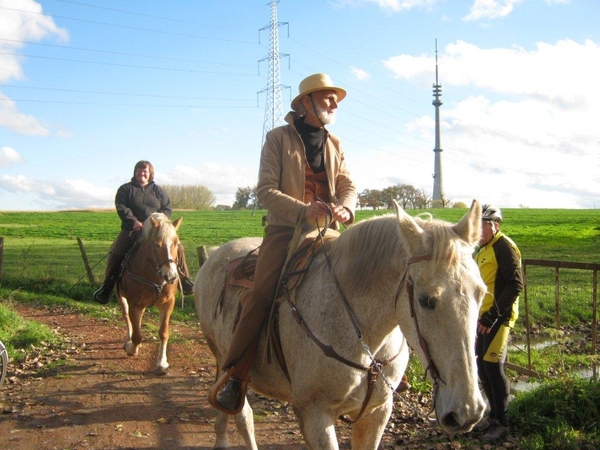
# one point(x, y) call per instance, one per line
point(491, 213)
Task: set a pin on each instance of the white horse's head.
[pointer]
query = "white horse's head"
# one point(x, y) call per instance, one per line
point(444, 293)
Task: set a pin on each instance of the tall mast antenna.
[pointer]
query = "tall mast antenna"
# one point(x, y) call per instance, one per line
point(438, 198)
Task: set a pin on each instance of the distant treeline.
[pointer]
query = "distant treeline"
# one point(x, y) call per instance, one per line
point(196, 197)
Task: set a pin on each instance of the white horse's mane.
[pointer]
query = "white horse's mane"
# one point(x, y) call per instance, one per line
point(360, 252)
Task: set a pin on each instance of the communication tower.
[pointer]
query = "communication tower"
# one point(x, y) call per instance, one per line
point(438, 198)
point(273, 104)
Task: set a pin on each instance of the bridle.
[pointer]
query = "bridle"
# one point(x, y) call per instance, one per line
point(157, 265)
point(410, 288)
point(376, 366)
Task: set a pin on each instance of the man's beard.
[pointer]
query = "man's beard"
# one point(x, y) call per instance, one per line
point(324, 116)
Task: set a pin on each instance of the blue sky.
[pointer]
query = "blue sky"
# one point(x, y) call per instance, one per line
point(89, 87)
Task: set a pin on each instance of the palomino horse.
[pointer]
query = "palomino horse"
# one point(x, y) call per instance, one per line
point(384, 284)
point(149, 279)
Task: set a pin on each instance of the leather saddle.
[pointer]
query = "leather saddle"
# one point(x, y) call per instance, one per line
point(240, 273)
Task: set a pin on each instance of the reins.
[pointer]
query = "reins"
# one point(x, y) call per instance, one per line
point(375, 368)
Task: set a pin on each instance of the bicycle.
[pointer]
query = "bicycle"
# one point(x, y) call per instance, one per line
point(3, 363)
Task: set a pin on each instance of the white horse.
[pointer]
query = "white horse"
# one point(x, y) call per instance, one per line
point(385, 283)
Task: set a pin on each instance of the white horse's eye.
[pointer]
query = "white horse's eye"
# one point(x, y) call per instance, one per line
point(427, 302)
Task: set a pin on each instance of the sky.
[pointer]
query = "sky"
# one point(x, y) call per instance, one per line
point(90, 87)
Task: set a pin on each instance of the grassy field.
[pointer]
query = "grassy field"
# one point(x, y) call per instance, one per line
point(44, 245)
point(41, 253)
point(42, 263)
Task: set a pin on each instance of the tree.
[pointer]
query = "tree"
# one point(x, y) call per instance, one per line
point(370, 198)
point(246, 198)
point(196, 197)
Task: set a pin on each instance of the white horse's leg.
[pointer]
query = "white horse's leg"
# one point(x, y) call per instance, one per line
point(317, 428)
point(221, 423)
point(244, 421)
point(368, 431)
point(162, 365)
point(245, 425)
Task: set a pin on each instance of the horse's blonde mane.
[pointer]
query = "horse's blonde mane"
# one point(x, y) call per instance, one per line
point(163, 232)
point(361, 251)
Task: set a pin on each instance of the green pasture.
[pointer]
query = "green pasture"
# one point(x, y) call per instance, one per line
point(42, 264)
point(41, 253)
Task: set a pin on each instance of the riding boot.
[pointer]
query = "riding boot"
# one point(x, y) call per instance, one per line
point(102, 295)
point(228, 394)
point(404, 385)
point(187, 284)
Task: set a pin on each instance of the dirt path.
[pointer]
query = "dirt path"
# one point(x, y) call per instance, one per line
point(102, 399)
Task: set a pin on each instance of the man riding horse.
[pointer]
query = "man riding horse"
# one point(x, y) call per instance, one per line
point(302, 175)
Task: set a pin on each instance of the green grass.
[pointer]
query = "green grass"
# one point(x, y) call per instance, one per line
point(562, 414)
point(20, 336)
point(42, 264)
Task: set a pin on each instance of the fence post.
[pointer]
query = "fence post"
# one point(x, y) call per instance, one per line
point(88, 269)
point(202, 255)
point(1, 255)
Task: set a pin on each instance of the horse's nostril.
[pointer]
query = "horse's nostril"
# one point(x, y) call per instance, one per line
point(449, 421)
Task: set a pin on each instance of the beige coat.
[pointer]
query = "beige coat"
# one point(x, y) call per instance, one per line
point(281, 175)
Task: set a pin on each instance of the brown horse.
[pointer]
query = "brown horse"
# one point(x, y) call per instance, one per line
point(149, 279)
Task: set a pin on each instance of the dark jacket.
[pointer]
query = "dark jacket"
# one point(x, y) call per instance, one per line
point(137, 203)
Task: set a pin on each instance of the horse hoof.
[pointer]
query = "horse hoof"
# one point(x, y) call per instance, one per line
point(161, 371)
point(130, 349)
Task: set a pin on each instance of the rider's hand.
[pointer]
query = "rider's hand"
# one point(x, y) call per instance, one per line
point(340, 214)
point(315, 210)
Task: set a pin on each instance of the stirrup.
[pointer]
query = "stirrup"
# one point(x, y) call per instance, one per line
point(220, 383)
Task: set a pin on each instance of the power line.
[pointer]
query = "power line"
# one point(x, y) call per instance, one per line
point(63, 47)
point(81, 91)
point(129, 27)
point(53, 58)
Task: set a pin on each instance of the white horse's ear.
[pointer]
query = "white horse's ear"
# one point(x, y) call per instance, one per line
point(409, 229)
point(397, 207)
point(177, 223)
point(155, 223)
point(469, 227)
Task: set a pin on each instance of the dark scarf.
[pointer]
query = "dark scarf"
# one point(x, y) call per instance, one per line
point(314, 144)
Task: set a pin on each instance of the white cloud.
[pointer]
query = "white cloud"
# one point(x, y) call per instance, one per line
point(393, 5)
point(531, 127)
point(21, 21)
point(24, 20)
point(68, 194)
point(21, 123)
point(360, 74)
point(222, 180)
point(490, 9)
point(9, 156)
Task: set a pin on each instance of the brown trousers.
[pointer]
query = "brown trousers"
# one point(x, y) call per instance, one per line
point(121, 245)
point(256, 304)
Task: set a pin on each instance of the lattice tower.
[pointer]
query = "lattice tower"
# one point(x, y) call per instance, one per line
point(273, 104)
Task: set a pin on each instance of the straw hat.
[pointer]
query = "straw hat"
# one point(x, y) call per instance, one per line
point(316, 82)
